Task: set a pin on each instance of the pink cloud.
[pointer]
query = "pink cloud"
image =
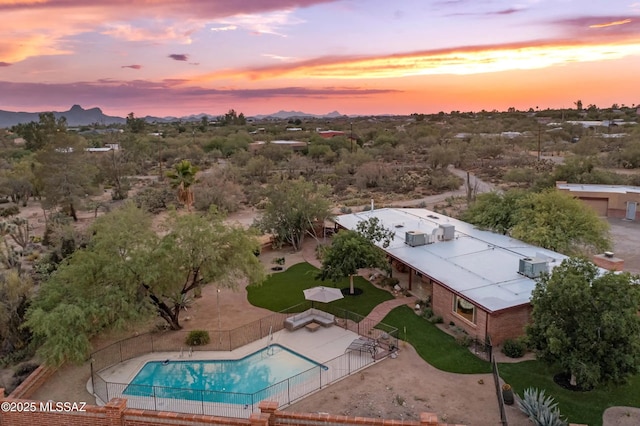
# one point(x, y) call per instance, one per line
point(601, 26)
point(191, 8)
point(133, 67)
point(5, 64)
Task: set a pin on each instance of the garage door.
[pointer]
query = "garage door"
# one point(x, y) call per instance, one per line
point(600, 205)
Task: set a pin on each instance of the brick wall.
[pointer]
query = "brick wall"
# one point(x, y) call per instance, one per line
point(441, 301)
point(442, 304)
point(32, 383)
point(609, 263)
point(508, 324)
point(93, 416)
point(116, 413)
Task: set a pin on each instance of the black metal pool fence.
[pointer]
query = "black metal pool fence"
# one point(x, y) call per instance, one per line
point(226, 403)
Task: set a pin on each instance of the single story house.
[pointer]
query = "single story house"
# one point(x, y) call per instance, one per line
point(327, 134)
point(292, 145)
point(619, 201)
point(479, 280)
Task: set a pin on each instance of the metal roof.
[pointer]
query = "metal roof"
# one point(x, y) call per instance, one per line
point(480, 266)
point(609, 189)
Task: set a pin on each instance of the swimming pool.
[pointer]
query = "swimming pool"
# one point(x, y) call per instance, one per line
point(228, 381)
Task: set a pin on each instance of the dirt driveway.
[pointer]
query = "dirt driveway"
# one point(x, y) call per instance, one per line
point(626, 242)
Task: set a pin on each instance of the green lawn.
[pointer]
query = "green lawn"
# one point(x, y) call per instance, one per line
point(578, 407)
point(284, 289)
point(433, 345)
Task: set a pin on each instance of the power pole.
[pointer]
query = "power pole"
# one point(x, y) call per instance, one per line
point(539, 132)
point(351, 136)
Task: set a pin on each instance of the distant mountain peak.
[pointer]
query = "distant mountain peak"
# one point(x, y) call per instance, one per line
point(284, 115)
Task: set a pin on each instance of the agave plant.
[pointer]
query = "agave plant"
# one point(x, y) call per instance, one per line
point(540, 408)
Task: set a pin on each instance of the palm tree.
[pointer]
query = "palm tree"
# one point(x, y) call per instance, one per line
point(182, 177)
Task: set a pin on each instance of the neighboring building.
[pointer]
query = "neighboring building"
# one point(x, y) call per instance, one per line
point(479, 280)
point(327, 134)
point(617, 201)
point(106, 148)
point(292, 145)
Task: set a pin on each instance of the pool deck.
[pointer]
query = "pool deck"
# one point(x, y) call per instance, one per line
point(320, 346)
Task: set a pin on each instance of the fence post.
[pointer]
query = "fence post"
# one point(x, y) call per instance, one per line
point(93, 386)
point(115, 411)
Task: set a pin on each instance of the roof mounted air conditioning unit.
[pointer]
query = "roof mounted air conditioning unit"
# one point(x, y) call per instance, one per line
point(532, 267)
point(415, 238)
point(448, 231)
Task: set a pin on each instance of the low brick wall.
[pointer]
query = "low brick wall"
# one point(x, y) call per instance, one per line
point(22, 412)
point(32, 383)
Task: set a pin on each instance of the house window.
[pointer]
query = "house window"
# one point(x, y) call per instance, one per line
point(464, 308)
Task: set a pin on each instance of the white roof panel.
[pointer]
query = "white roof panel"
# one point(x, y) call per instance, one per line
point(479, 265)
point(612, 189)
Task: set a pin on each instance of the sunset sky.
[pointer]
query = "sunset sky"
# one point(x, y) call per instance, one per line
point(180, 57)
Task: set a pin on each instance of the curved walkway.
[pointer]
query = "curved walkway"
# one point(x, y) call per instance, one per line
point(379, 312)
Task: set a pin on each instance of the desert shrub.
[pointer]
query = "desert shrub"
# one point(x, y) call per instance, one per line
point(33, 256)
point(372, 175)
point(541, 409)
point(345, 210)
point(218, 190)
point(427, 313)
point(25, 369)
point(198, 338)
point(9, 211)
point(155, 199)
point(463, 339)
point(389, 282)
point(513, 348)
point(444, 182)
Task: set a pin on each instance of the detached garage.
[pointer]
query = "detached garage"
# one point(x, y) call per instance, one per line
point(619, 201)
point(600, 205)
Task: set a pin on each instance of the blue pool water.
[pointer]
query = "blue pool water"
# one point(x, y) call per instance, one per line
point(229, 381)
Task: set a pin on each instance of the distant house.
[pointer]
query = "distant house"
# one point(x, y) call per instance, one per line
point(479, 280)
point(618, 201)
point(327, 134)
point(106, 148)
point(293, 145)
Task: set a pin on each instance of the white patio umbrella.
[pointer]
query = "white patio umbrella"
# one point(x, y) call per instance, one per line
point(322, 294)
